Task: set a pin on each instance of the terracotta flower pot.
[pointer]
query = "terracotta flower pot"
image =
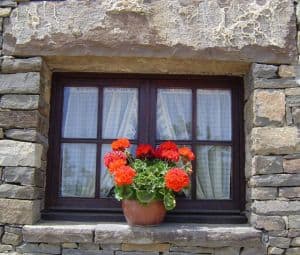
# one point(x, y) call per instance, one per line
point(143, 215)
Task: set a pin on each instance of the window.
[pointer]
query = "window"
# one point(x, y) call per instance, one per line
point(89, 111)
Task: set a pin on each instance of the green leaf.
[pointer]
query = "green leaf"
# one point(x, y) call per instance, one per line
point(169, 201)
point(145, 196)
point(128, 192)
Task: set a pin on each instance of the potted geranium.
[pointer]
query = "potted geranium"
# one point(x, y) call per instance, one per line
point(148, 182)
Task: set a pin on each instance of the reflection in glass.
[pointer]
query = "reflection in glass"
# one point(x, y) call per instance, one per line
point(80, 112)
point(78, 170)
point(213, 172)
point(120, 113)
point(174, 114)
point(213, 114)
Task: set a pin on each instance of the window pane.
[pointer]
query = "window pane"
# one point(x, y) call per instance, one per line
point(106, 182)
point(213, 172)
point(120, 113)
point(78, 170)
point(213, 114)
point(174, 114)
point(80, 112)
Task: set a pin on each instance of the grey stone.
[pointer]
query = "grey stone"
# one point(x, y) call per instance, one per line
point(269, 223)
point(151, 30)
point(111, 246)
point(275, 251)
point(296, 116)
point(293, 91)
point(280, 233)
point(290, 192)
point(69, 245)
point(291, 166)
point(252, 251)
point(267, 165)
point(11, 238)
point(283, 83)
point(89, 246)
point(5, 12)
point(27, 83)
point(23, 176)
point(43, 248)
point(13, 153)
point(15, 211)
point(276, 180)
point(8, 3)
point(263, 193)
point(276, 207)
point(21, 102)
point(286, 71)
point(192, 249)
point(180, 234)
point(288, 116)
point(30, 135)
point(91, 252)
point(135, 253)
point(5, 248)
point(263, 71)
point(19, 119)
point(60, 233)
point(227, 251)
point(294, 233)
point(12, 65)
point(274, 140)
point(293, 251)
point(20, 192)
point(295, 241)
point(280, 242)
point(293, 101)
point(294, 221)
point(1, 133)
point(12, 229)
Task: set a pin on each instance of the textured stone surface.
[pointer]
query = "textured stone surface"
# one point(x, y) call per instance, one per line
point(265, 101)
point(59, 233)
point(15, 211)
point(146, 247)
point(39, 248)
point(291, 166)
point(22, 134)
point(295, 241)
point(11, 65)
point(90, 252)
point(20, 192)
point(267, 165)
point(293, 251)
point(280, 242)
point(13, 153)
point(226, 33)
point(5, 248)
point(294, 221)
point(227, 251)
point(287, 71)
point(27, 83)
point(269, 222)
point(271, 140)
point(11, 238)
point(4, 12)
point(23, 175)
point(290, 192)
point(276, 207)
point(192, 249)
point(27, 102)
point(19, 119)
point(275, 180)
point(263, 193)
point(263, 71)
point(275, 251)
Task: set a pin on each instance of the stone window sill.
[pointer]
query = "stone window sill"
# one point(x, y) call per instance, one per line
point(117, 233)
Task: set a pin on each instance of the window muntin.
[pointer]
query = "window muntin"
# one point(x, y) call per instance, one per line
point(143, 93)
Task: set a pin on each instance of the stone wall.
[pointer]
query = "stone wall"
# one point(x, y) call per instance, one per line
point(272, 119)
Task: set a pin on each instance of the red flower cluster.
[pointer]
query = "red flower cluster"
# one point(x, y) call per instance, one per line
point(120, 144)
point(114, 160)
point(144, 151)
point(186, 153)
point(176, 179)
point(167, 151)
point(124, 175)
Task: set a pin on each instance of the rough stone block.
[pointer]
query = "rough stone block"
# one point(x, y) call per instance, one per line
point(263, 71)
point(275, 251)
point(15, 211)
point(294, 221)
point(293, 101)
point(275, 180)
point(289, 192)
point(280, 242)
point(30, 135)
point(263, 193)
point(135, 253)
point(296, 116)
point(14, 65)
point(89, 246)
point(274, 140)
point(19, 119)
point(90, 252)
point(5, 248)
point(294, 233)
point(283, 83)
point(43, 248)
point(13, 153)
point(20, 192)
point(51, 233)
point(111, 246)
point(292, 91)
point(267, 165)
point(291, 166)
point(26, 83)
point(269, 223)
point(8, 3)
point(265, 101)
point(11, 238)
point(69, 245)
point(295, 242)
point(23, 176)
point(20, 102)
point(5, 12)
point(293, 251)
point(141, 29)
point(276, 207)
point(252, 251)
point(227, 251)
point(146, 247)
point(286, 71)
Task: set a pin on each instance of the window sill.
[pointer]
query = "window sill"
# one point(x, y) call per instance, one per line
point(118, 233)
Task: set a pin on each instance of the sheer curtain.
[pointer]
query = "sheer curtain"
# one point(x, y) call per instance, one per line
point(213, 162)
point(120, 118)
point(174, 114)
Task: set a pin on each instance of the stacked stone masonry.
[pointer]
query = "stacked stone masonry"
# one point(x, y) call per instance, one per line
point(272, 122)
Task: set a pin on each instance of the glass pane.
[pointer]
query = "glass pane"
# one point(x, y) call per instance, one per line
point(213, 172)
point(120, 113)
point(106, 182)
point(174, 114)
point(78, 170)
point(213, 114)
point(80, 112)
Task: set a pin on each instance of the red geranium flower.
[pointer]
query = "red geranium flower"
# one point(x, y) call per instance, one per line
point(112, 156)
point(176, 179)
point(115, 165)
point(120, 144)
point(167, 151)
point(144, 151)
point(124, 175)
point(186, 153)
point(168, 145)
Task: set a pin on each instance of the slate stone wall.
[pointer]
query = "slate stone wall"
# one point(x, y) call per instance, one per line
point(272, 121)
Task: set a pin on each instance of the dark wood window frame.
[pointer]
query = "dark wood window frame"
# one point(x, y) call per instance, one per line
point(107, 209)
